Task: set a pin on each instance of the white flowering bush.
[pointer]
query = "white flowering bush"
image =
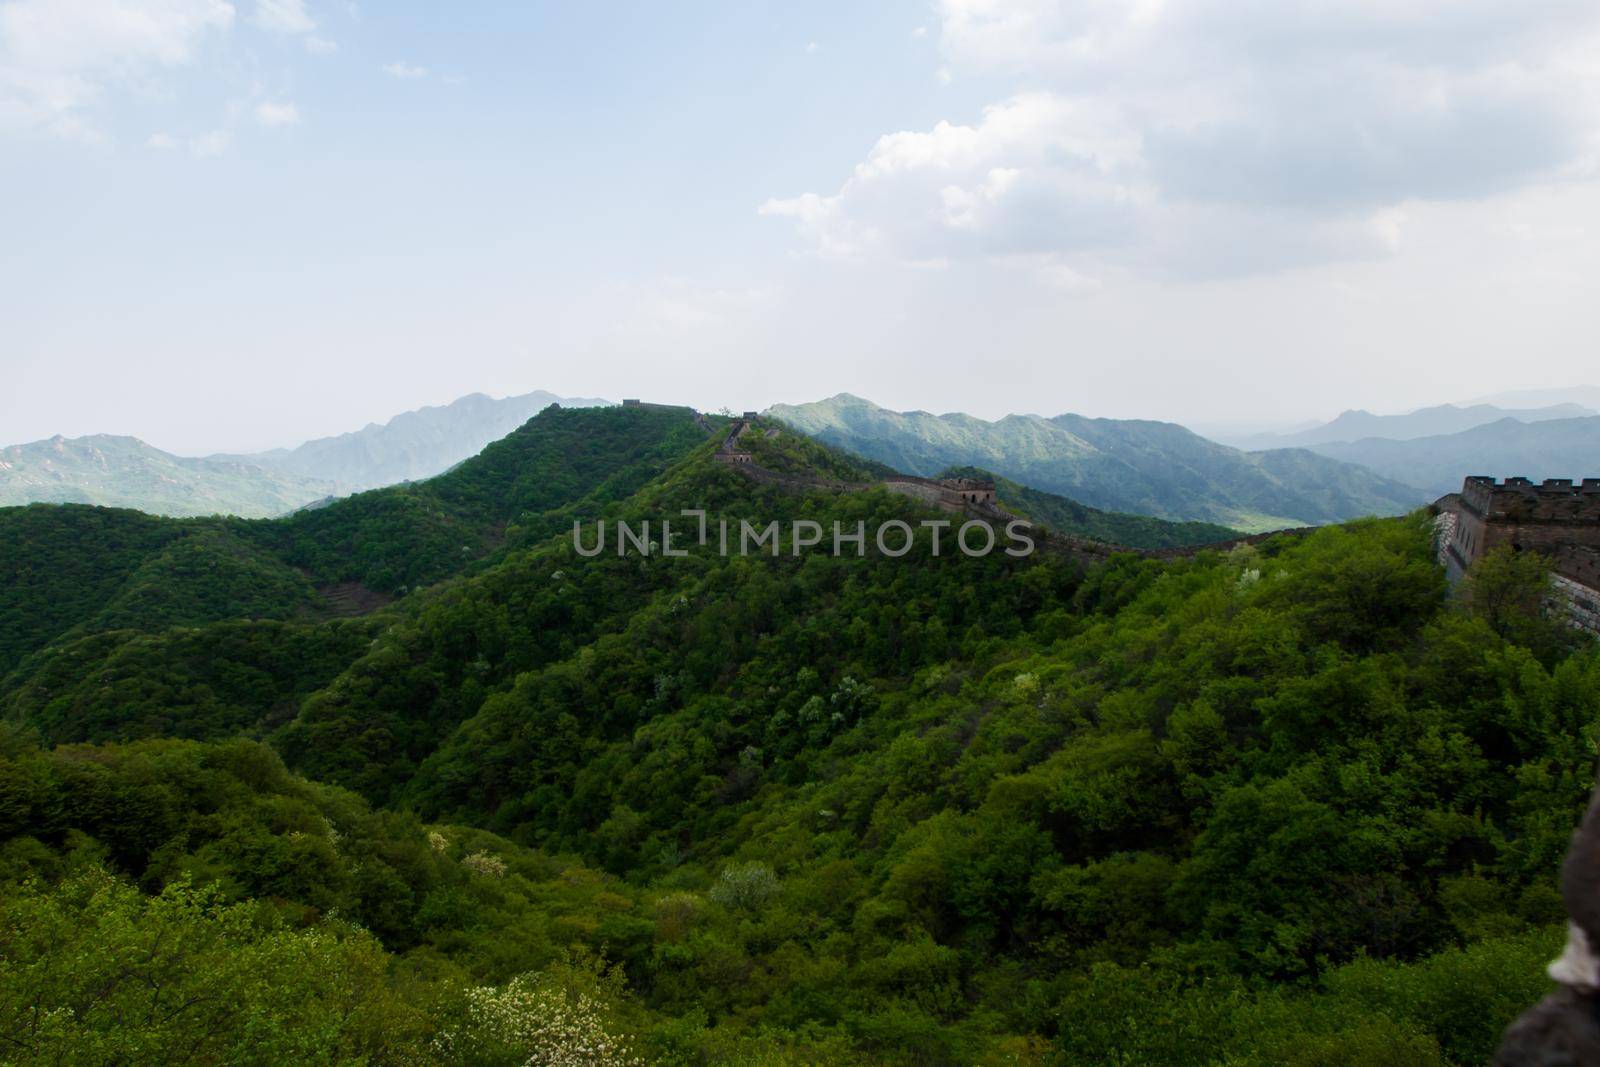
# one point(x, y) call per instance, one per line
point(533, 1020)
point(485, 864)
point(437, 841)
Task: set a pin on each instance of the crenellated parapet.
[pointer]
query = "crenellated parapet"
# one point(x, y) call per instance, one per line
point(1548, 517)
point(1558, 518)
point(1521, 500)
point(951, 494)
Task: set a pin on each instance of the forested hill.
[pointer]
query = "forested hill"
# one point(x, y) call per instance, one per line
point(77, 569)
point(1288, 804)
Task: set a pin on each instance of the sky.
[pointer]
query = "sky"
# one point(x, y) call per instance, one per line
point(236, 224)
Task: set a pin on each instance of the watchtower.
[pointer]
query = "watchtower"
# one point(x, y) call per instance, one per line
point(1555, 518)
point(1551, 517)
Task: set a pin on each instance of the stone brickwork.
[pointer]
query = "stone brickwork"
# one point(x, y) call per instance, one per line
point(1558, 518)
point(1580, 563)
point(951, 494)
point(1581, 601)
point(1444, 535)
point(1547, 517)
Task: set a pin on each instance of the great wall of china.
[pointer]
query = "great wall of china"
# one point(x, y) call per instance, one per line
point(967, 496)
point(1557, 518)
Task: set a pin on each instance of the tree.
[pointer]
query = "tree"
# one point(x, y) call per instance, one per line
point(1507, 589)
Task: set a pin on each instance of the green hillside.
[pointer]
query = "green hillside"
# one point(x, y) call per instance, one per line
point(1080, 520)
point(1143, 467)
point(1289, 804)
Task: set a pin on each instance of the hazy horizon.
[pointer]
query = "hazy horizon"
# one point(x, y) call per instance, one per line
point(1217, 429)
point(239, 225)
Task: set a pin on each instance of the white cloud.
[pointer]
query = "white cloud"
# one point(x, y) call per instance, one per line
point(920, 32)
point(210, 144)
point(320, 45)
point(284, 16)
point(811, 47)
point(404, 71)
point(1037, 173)
point(59, 57)
point(1220, 136)
point(275, 114)
point(161, 141)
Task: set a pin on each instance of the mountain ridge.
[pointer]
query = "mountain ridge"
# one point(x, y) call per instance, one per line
point(1439, 420)
point(414, 444)
point(1137, 466)
point(1548, 449)
point(114, 470)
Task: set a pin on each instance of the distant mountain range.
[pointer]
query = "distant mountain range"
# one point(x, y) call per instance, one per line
point(414, 445)
point(1583, 395)
point(1434, 448)
point(1150, 468)
point(1424, 422)
point(1561, 448)
point(127, 472)
point(1357, 464)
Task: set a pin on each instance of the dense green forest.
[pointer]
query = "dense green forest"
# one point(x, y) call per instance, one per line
point(1293, 803)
